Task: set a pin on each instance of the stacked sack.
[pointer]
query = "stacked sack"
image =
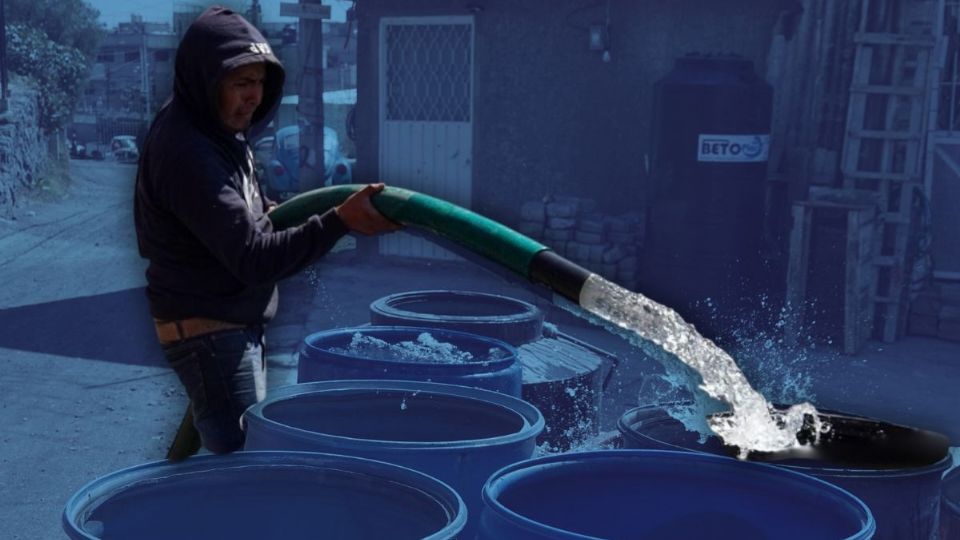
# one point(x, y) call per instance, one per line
point(935, 312)
point(571, 226)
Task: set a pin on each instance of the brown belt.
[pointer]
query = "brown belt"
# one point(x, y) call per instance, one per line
point(173, 331)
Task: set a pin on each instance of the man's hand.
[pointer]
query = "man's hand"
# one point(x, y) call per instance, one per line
point(358, 213)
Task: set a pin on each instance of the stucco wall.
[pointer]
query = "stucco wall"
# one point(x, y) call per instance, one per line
point(23, 148)
point(550, 115)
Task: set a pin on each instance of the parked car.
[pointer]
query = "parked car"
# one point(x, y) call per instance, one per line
point(77, 150)
point(124, 148)
point(282, 178)
point(96, 150)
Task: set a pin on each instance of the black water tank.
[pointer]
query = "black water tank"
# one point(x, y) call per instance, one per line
point(705, 209)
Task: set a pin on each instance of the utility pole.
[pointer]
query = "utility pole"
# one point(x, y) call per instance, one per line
point(145, 71)
point(108, 127)
point(255, 14)
point(3, 56)
point(310, 40)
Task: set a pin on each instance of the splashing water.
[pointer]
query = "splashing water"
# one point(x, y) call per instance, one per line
point(753, 424)
point(782, 371)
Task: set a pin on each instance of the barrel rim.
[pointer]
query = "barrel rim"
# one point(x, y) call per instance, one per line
point(385, 306)
point(952, 476)
point(470, 367)
point(533, 422)
point(500, 479)
point(627, 427)
point(97, 491)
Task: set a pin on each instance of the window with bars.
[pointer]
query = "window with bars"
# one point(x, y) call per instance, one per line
point(428, 72)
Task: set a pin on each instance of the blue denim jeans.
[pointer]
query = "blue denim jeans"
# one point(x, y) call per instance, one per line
point(223, 373)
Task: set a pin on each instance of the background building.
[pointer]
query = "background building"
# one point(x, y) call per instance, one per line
point(130, 78)
point(132, 75)
point(497, 104)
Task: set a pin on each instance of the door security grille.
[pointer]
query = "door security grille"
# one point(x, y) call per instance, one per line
point(428, 72)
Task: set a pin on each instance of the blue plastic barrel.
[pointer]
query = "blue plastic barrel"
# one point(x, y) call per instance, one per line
point(562, 376)
point(501, 317)
point(630, 494)
point(457, 434)
point(904, 500)
point(261, 495)
point(950, 506)
point(324, 356)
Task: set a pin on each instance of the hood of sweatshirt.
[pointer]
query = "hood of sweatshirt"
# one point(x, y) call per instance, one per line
point(219, 41)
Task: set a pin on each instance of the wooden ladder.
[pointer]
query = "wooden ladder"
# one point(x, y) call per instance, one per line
point(886, 133)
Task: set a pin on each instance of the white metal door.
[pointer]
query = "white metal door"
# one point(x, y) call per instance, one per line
point(426, 115)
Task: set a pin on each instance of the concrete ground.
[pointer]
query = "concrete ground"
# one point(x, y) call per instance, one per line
point(85, 390)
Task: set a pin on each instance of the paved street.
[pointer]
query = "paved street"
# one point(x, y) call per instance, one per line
point(83, 389)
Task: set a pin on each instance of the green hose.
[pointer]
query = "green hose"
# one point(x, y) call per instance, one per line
point(468, 229)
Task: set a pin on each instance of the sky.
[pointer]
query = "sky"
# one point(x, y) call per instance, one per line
point(116, 11)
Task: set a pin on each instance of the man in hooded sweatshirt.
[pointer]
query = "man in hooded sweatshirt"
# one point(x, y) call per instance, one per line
point(201, 221)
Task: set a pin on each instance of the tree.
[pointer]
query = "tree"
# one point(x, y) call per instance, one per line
point(52, 42)
point(71, 23)
point(56, 69)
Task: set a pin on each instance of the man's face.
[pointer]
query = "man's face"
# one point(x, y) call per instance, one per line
point(240, 94)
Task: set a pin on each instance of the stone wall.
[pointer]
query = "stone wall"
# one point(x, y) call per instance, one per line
point(587, 234)
point(23, 147)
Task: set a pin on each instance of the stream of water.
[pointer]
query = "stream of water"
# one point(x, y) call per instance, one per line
point(752, 424)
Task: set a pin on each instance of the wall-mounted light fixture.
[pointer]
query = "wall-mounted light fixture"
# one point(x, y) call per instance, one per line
point(600, 40)
point(598, 37)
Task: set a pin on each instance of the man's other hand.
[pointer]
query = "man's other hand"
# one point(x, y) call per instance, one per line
point(358, 213)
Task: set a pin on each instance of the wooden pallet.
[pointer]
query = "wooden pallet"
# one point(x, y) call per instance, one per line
point(886, 133)
point(859, 271)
